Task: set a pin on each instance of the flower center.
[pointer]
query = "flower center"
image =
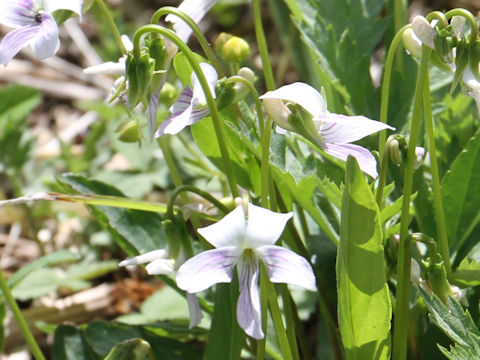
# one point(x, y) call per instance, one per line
point(38, 18)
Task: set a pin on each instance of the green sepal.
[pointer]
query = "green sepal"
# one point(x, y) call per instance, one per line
point(225, 93)
point(173, 237)
point(132, 349)
point(131, 73)
point(437, 277)
point(461, 62)
point(129, 132)
point(144, 70)
point(302, 123)
point(158, 52)
point(474, 58)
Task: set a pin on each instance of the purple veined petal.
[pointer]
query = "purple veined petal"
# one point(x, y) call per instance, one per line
point(194, 310)
point(161, 267)
point(183, 101)
point(302, 94)
point(211, 76)
point(230, 231)
point(366, 161)
point(264, 226)
point(336, 128)
point(248, 305)
point(72, 5)
point(206, 269)
point(15, 40)
point(175, 123)
point(198, 113)
point(145, 258)
point(196, 9)
point(285, 266)
point(17, 14)
point(47, 42)
point(152, 114)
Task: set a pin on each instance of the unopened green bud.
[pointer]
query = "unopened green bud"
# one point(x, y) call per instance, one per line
point(129, 132)
point(132, 349)
point(412, 43)
point(235, 50)
point(437, 278)
point(225, 93)
point(394, 152)
point(139, 74)
point(302, 123)
point(168, 94)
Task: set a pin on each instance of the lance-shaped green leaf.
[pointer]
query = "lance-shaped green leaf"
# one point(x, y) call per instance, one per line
point(364, 307)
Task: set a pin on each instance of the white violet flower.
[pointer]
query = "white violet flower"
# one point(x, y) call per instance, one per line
point(242, 240)
point(335, 131)
point(33, 25)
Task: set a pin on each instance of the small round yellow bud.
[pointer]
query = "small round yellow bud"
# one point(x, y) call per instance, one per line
point(235, 49)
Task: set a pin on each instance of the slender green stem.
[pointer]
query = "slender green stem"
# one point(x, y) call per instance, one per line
point(111, 24)
point(206, 195)
point(172, 167)
point(382, 179)
point(440, 16)
point(288, 308)
point(437, 193)
point(470, 18)
point(277, 317)
point(262, 45)
point(207, 49)
point(215, 115)
point(404, 251)
point(399, 20)
point(260, 355)
point(387, 76)
point(21, 322)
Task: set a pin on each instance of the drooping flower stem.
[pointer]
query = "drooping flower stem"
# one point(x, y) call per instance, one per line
point(206, 195)
point(288, 308)
point(262, 46)
point(260, 355)
point(387, 76)
point(276, 317)
point(470, 18)
point(22, 324)
point(215, 115)
point(111, 24)
point(399, 20)
point(437, 194)
point(195, 29)
point(382, 178)
point(404, 249)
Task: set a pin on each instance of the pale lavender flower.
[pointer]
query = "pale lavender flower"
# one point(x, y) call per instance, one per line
point(333, 132)
point(196, 9)
point(160, 263)
point(34, 25)
point(191, 105)
point(243, 239)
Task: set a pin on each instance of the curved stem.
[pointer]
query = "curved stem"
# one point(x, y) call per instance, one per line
point(206, 195)
point(215, 115)
point(207, 49)
point(399, 20)
point(439, 16)
point(111, 24)
point(387, 75)
point(404, 251)
point(437, 194)
point(262, 45)
point(470, 18)
point(21, 322)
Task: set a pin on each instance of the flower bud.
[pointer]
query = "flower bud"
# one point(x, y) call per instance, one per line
point(424, 31)
point(222, 38)
point(458, 25)
point(437, 278)
point(241, 90)
point(395, 152)
point(139, 74)
point(235, 49)
point(279, 113)
point(412, 43)
point(129, 132)
point(420, 153)
point(225, 93)
point(168, 94)
point(158, 52)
